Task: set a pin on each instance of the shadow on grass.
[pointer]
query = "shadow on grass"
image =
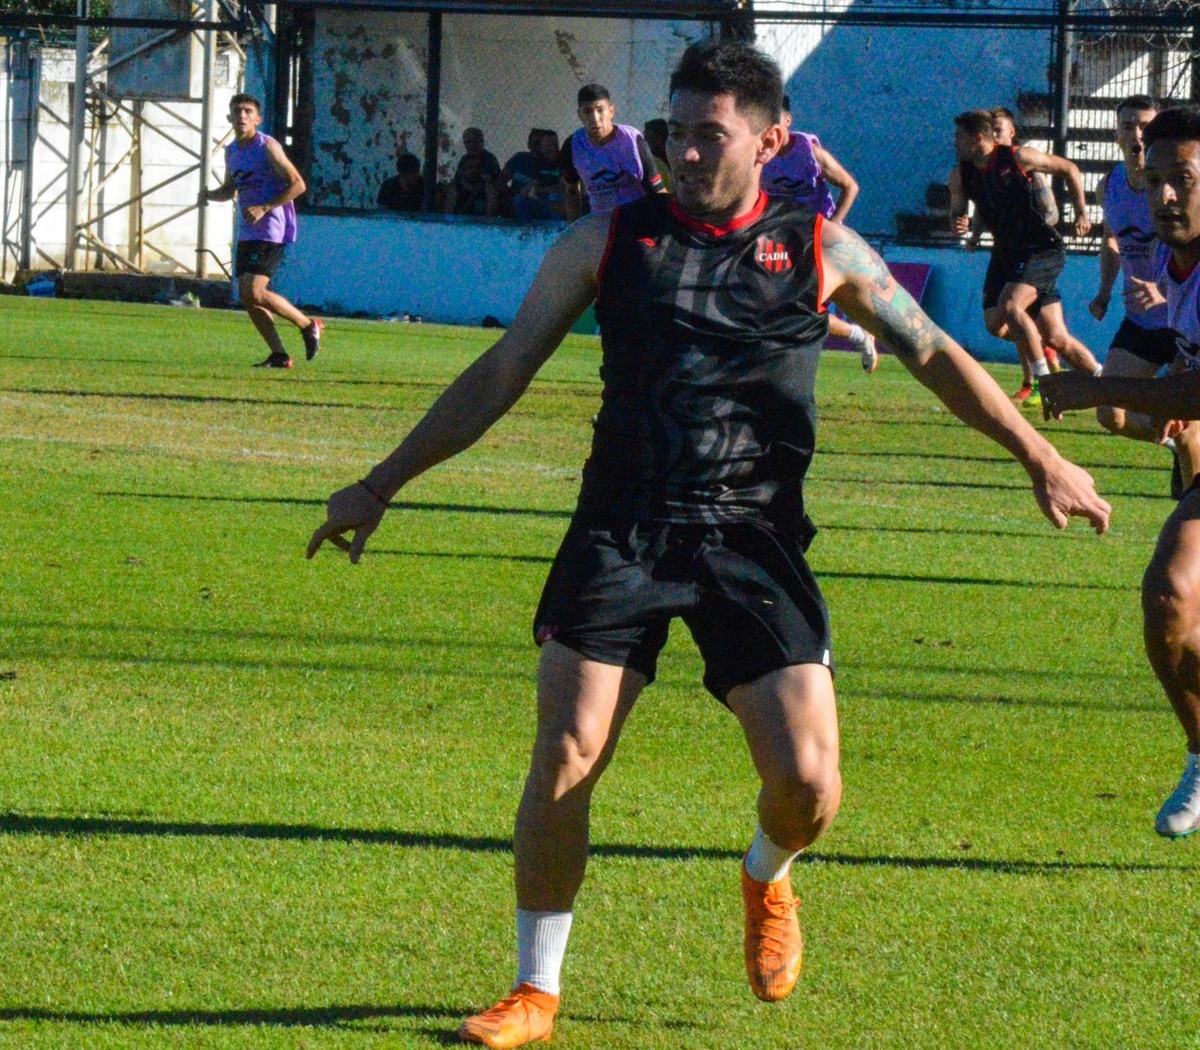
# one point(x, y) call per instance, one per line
point(333, 1016)
point(999, 460)
point(296, 501)
point(24, 824)
point(978, 581)
point(204, 399)
point(997, 698)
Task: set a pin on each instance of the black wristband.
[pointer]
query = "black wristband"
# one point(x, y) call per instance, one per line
point(378, 498)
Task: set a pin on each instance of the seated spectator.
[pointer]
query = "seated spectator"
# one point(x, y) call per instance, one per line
point(655, 132)
point(475, 189)
point(404, 191)
point(542, 195)
point(521, 168)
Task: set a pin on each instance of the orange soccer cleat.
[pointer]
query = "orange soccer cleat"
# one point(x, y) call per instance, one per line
point(1051, 356)
point(526, 1016)
point(773, 941)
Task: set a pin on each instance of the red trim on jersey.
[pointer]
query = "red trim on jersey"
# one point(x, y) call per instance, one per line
point(693, 223)
point(1176, 272)
point(608, 245)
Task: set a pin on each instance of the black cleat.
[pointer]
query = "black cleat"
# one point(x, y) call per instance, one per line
point(1176, 477)
point(275, 361)
point(312, 338)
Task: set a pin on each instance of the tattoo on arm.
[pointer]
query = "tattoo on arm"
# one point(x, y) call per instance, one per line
point(899, 320)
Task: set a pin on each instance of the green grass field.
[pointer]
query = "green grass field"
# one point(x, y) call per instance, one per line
point(252, 801)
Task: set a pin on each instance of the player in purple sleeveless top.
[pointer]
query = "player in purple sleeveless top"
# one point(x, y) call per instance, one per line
point(265, 182)
point(612, 162)
point(803, 171)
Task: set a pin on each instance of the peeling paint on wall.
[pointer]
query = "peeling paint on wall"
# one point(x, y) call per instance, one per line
point(502, 74)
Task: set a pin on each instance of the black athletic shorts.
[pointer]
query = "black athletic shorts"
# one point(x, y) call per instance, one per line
point(1153, 345)
point(1040, 270)
point(257, 257)
point(744, 590)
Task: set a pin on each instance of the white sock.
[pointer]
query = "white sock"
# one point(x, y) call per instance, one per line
point(1169, 443)
point(1040, 368)
point(1099, 370)
point(857, 336)
point(766, 862)
point(541, 945)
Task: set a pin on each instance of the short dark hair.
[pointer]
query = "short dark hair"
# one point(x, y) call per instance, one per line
point(657, 125)
point(786, 103)
point(975, 122)
point(1181, 124)
point(731, 67)
point(590, 93)
point(1137, 102)
point(407, 164)
point(238, 100)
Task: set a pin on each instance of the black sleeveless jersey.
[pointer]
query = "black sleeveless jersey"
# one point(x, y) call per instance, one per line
point(1006, 199)
point(711, 339)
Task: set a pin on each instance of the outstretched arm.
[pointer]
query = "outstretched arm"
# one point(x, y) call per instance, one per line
point(859, 282)
point(225, 192)
point(564, 285)
point(840, 178)
point(1174, 396)
point(1035, 160)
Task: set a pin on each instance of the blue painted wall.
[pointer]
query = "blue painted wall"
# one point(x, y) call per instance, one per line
point(883, 101)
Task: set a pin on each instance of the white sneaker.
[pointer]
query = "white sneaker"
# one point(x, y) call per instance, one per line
point(870, 356)
point(1180, 814)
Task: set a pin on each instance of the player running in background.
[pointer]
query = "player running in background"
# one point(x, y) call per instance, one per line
point(1171, 584)
point(1004, 127)
point(711, 312)
point(1027, 252)
point(265, 182)
point(803, 170)
point(1145, 342)
point(611, 162)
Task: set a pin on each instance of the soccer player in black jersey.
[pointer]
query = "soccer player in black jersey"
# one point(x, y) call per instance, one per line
point(710, 305)
point(1020, 292)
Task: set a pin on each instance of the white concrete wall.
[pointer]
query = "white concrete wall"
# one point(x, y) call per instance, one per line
point(460, 272)
point(169, 133)
point(502, 74)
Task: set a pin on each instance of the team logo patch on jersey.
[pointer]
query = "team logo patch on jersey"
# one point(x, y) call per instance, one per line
point(772, 256)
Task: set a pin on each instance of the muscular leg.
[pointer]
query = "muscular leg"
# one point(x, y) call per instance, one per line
point(1052, 326)
point(1013, 307)
point(582, 706)
point(1171, 615)
point(789, 719)
point(263, 305)
point(1117, 421)
point(1187, 445)
point(999, 327)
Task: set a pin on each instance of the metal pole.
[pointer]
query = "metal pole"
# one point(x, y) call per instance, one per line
point(433, 109)
point(210, 83)
point(75, 150)
point(31, 132)
point(1061, 117)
